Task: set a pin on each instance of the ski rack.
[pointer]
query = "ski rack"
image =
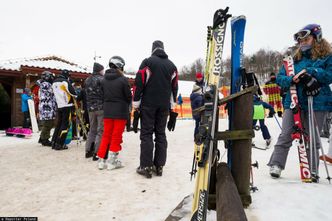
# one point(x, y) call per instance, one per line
point(241, 138)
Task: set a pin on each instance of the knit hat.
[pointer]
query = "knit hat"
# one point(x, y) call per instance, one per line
point(199, 75)
point(157, 45)
point(196, 89)
point(272, 74)
point(97, 67)
point(65, 73)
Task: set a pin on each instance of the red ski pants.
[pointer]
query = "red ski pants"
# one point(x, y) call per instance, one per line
point(112, 136)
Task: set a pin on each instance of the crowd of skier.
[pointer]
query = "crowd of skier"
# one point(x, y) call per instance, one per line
point(108, 100)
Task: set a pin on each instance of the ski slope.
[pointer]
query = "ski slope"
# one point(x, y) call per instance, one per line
point(63, 185)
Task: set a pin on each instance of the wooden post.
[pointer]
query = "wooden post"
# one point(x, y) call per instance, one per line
point(241, 149)
point(229, 205)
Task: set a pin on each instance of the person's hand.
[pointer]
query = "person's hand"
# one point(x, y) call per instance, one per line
point(271, 113)
point(311, 85)
point(296, 79)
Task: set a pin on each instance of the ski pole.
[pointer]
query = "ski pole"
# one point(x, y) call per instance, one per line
point(311, 135)
point(322, 150)
point(277, 121)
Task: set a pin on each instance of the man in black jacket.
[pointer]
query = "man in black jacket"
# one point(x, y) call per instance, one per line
point(94, 98)
point(155, 93)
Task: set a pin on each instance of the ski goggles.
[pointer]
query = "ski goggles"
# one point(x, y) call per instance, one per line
point(301, 35)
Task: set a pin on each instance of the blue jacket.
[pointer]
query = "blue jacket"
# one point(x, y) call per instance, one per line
point(196, 101)
point(180, 100)
point(321, 69)
point(24, 106)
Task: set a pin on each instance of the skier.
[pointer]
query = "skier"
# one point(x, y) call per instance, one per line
point(259, 114)
point(199, 80)
point(196, 101)
point(25, 108)
point(180, 102)
point(47, 106)
point(313, 74)
point(272, 90)
point(94, 100)
point(117, 97)
point(156, 86)
point(64, 94)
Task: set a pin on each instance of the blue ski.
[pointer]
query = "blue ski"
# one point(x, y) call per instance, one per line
point(237, 27)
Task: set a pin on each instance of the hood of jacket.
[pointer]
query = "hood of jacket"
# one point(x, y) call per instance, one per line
point(160, 53)
point(111, 74)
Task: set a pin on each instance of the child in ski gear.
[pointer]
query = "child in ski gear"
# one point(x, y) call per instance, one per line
point(47, 106)
point(196, 101)
point(180, 102)
point(117, 97)
point(156, 86)
point(25, 108)
point(94, 99)
point(259, 115)
point(64, 94)
point(272, 90)
point(313, 74)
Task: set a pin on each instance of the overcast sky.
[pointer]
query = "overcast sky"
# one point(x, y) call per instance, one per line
point(76, 29)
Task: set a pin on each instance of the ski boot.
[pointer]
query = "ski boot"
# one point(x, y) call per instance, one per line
point(101, 163)
point(46, 143)
point(113, 161)
point(145, 171)
point(275, 171)
point(158, 170)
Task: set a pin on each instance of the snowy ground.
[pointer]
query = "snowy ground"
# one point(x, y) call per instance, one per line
point(63, 185)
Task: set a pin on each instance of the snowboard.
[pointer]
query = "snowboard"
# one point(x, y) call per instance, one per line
point(69, 135)
point(19, 132)
point(33, 118)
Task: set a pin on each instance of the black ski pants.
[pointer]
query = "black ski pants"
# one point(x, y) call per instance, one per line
point(62, 126)
point(153, 121)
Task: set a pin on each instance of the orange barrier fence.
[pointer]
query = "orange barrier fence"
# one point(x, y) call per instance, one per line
point(185, 111)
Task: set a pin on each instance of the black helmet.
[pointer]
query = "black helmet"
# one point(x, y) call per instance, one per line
point(65, 73)
point(117, 61)
point(47, 76)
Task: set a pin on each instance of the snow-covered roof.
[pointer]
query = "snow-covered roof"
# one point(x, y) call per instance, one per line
point(47, 62)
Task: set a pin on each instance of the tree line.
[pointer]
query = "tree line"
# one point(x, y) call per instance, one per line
point(262, 63)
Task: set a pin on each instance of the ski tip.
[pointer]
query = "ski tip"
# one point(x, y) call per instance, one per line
point(238, 18)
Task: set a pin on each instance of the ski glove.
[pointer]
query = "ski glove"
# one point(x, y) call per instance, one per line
point(172, 121)
point(311, 85)
point(271, 113)
point(137, 115)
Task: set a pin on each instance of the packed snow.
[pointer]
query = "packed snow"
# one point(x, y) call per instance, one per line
point(62, 185)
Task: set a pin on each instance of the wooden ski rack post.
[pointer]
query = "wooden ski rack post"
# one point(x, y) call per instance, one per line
point(241, 137)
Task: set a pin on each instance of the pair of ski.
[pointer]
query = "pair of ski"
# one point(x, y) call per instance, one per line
point(206, 152)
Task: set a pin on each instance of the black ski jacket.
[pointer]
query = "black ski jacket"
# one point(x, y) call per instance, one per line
point(94, 92)
point(156, 82)
point(117, 95)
